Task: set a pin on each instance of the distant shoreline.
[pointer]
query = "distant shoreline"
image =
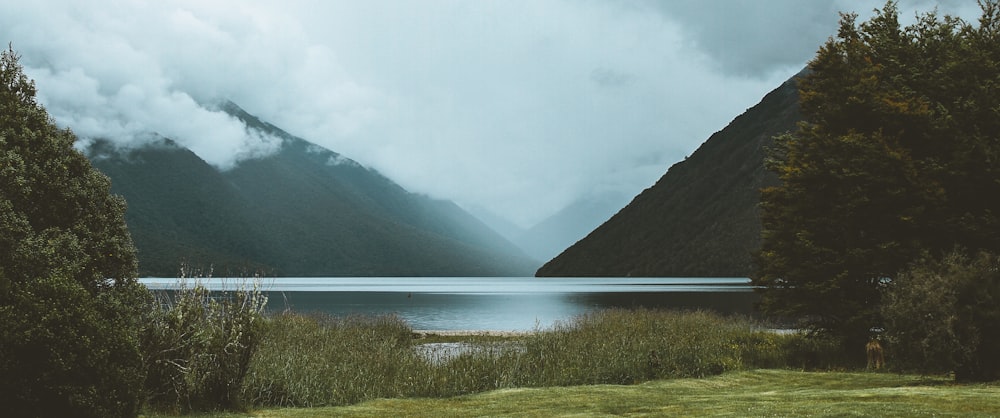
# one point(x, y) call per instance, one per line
point(423, 333)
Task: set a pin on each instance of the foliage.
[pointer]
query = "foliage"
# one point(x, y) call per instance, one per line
point(69, 301)
point(945, 316)
point(808, 351)
point(199, 346)
point(897, 157)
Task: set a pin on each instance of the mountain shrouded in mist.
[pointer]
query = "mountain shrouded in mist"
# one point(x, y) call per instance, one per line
point(701, 218)
point(301, 210)
point(551, 236)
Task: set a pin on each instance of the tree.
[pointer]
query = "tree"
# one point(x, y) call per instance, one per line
point(69, 300)
point(897, 157)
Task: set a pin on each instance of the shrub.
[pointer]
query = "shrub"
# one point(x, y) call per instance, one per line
point(69, 301)
point(199, 346)
point(945, 316)
point(71, 361)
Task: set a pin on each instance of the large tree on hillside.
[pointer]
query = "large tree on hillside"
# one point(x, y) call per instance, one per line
point(69, 301)
point(899, 155)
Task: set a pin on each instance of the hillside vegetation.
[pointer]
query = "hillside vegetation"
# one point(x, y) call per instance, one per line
point(701, 218)
point(303, 211)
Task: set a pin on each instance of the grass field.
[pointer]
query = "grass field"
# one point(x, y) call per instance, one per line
point(743, 393)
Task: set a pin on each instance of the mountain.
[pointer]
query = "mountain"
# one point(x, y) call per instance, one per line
point(551, 236)
point(302, 211)
point(701, 218)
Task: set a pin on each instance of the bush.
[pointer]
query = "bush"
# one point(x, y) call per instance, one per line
point(69, 301)
point(199, 346)
point(71, 361)
point(945, 316)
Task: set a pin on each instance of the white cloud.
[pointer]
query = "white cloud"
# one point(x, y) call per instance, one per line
point(517, 106)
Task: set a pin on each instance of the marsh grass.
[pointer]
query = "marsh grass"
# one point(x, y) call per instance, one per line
point(633, 362)
point(305, 361)
point(323, 360)
point(316, 360)
point(631, 346)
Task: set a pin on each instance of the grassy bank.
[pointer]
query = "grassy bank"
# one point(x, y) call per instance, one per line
point(318, 361)
point(293, 360)
point(375, 365)
point(741, 393)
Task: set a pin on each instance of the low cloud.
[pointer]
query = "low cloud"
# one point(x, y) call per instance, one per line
point(134, 114)
point(516, 106)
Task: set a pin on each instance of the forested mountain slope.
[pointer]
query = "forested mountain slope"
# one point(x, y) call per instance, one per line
point(701, 218)
point(302, 211)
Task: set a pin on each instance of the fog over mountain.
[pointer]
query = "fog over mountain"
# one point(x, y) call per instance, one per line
point(701, 219)
point(521, 107)
point(303, 210)
point(554, 234)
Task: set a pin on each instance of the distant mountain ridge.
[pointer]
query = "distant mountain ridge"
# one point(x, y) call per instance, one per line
point(701, 218)
point(552, 235)
point(302, 211)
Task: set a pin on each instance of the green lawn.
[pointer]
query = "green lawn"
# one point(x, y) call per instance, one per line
point(750, 393)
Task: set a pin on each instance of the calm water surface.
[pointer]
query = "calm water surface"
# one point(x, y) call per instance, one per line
point(488, 303)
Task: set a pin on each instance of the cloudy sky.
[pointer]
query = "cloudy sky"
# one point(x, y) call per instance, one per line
point(520, 107)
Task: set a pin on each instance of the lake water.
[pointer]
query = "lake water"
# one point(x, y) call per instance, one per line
point(489, 303)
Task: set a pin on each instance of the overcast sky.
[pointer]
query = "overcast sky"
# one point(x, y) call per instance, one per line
point(516, 106)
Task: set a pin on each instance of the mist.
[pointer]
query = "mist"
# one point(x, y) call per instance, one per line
point(521, 107)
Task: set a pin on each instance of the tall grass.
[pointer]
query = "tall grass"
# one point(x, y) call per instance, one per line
point(630, 346)
point(321, 360)
point(209, 351)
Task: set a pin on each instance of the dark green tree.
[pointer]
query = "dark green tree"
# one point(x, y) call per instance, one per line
point(897, 157)
point(69, 301)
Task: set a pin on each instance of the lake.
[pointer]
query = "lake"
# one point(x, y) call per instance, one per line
point(488, 303)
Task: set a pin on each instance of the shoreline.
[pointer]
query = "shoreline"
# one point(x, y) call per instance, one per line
point(423, 333)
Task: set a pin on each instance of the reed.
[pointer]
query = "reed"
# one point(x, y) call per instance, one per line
point(631, 346)
point(315, 360)
point(321, 360)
